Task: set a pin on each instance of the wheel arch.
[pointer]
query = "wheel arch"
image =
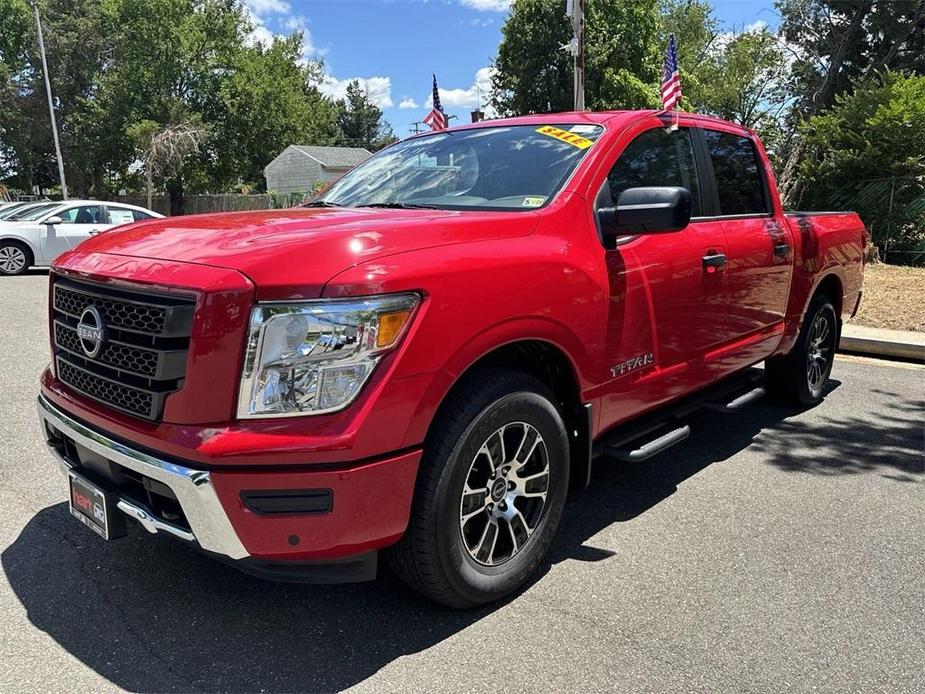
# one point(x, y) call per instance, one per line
point(552, 365)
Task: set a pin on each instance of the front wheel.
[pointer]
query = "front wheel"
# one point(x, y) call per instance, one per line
point(490, 491)
point(15, 258)
point(800, 377)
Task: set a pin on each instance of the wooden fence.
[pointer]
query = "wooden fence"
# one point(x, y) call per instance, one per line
point(227, 202)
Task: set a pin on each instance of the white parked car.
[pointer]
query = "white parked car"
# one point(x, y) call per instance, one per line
point(38, 234)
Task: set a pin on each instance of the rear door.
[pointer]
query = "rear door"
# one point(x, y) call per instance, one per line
point(759, 251)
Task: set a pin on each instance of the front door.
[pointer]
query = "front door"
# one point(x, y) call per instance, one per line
point(666, 303)
point(78, 223)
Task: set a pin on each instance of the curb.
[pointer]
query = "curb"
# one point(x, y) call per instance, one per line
point(878, 346)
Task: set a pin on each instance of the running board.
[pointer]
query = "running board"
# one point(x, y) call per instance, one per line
point(739, 402)
point(651, 447)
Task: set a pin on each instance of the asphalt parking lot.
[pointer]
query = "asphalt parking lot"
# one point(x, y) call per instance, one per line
point(776, 550)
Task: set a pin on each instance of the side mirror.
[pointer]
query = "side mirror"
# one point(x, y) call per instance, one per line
point(54, 220)
point(649, 210)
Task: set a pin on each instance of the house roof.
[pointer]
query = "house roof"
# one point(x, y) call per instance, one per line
point(336, 157)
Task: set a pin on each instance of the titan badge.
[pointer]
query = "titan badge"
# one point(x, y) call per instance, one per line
point(631, 364)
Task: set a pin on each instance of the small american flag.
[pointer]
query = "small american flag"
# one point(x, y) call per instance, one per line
point(671, 78)
point(436, 119)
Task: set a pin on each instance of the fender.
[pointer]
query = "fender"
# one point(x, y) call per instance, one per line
point(479, 346)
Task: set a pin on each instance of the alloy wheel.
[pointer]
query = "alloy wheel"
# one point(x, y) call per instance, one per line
point(819, 354)
point(12, 259)
point(504, 496)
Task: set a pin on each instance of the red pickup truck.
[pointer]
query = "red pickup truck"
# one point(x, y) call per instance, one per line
point(423, 360)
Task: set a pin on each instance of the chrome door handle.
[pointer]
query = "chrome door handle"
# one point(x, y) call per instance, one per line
point(713, 262)
point(781, 248)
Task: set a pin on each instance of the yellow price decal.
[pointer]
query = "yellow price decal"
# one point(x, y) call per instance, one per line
point(564, 135)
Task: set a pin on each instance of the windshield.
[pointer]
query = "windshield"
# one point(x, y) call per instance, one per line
point(13, 209)
point(30, 214)
point(509, 167)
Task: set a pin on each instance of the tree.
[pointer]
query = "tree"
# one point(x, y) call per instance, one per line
point(268, 102)
point(871, 146)
point(743, 79)
point(624, 48)
point(360, 120)
point(836, 44)
point(166, 149)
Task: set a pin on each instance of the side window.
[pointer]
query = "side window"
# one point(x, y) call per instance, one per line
point(121, 215)
point(86, 214)
point(657, 158)
point(141, 216)
point(737, 171)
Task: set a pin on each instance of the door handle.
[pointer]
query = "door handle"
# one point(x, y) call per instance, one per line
point(94, 232)
point(714, 262)
point(781, 248)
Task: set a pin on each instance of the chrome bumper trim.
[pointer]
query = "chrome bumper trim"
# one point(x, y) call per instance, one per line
point(194, 490)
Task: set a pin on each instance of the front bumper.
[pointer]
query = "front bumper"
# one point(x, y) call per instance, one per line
point(370, 508)
point(209, 525)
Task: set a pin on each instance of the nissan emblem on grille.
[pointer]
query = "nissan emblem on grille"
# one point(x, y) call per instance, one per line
point(92, 331)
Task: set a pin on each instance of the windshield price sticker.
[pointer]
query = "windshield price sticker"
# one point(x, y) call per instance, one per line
point(564, 135)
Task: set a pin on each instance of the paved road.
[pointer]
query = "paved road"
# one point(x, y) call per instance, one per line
point(774, 551)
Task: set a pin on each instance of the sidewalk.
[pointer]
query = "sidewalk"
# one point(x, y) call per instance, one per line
point(892, 344)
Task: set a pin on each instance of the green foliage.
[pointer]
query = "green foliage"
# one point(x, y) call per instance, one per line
point(360, 121)
point(872, 158)
point(622, 60)
point(120, 68)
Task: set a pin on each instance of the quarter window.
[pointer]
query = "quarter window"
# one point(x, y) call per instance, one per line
point(736, 168)
point(657, 158)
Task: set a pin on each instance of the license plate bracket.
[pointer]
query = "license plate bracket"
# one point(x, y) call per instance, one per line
point(94, 506)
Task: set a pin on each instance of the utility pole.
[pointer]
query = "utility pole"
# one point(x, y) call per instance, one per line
point(415, 128)
point(575, 11)
point(51, 103)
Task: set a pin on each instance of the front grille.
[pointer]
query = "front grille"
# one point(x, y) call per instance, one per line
point(142, 358)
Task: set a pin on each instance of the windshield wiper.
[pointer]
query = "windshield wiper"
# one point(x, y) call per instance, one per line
point(400, 206)
point(320, 203)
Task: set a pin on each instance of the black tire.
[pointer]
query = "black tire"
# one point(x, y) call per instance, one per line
point(793, 379)
point(434, 556)
point(15, 258)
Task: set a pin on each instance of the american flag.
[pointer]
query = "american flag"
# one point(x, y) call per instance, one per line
point(436, 119)
point(671, 78)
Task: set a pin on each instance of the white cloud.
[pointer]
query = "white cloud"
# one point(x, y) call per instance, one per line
point(379, 89)
point(261, 7)
point(477, 94)
point(262, 34)
point(487, 5)
point(408, 102)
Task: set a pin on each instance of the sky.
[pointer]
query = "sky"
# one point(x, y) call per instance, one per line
point(393, 46)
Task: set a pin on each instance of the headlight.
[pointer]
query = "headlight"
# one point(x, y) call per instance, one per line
point(313, 357)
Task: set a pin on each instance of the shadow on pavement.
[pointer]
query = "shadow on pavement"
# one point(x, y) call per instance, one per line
point(151, 615)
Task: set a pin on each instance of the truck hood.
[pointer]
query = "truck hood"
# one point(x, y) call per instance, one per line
point(291, 254)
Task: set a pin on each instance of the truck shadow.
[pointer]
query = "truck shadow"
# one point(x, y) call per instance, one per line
point(162, 618)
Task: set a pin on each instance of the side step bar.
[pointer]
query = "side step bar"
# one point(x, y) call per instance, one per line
point(652, 447)
point(651, 434)
point(738, 403)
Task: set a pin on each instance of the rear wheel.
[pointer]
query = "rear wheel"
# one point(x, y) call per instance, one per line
point(15, 258)
point(490, 491)
point(800, 377)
